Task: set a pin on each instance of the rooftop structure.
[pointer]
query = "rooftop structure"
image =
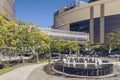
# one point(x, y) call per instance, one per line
point(94, 0)
point(67, 8)
point(80, 37)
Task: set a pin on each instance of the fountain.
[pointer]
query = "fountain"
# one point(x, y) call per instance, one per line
point(68, 61)
point(83, 67)
point(64, 60)
point(93, 59)
point(74, 63)
point(85, 64)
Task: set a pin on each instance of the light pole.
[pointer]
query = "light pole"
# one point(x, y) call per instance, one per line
point(64, 60)
point(97, 69)
point(63, 68)
point(49, 55)
point(77, 39)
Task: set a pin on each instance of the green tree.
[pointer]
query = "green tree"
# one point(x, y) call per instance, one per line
point(59, 45)
point(89, 45)
point(113, 39)
point(55, 45)
point(73, 46)
point(18, 36)
point(31, 37)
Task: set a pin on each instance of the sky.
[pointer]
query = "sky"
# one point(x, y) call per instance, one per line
point(39, 11)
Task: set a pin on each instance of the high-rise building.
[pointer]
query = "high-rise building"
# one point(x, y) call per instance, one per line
point(7, 8)
point(98, 18)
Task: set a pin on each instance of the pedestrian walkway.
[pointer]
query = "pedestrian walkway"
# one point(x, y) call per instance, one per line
point(36, 72)
point(20, 73)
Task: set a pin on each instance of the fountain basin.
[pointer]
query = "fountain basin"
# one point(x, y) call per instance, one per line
point(79, 69)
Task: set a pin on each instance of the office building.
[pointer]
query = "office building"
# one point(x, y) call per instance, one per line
point(99, 17)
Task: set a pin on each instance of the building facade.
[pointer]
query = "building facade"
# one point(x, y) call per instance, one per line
point(99, 17)
point(7, 8)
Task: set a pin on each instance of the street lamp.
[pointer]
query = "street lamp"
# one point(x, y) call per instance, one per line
point(97, 69)
point(77, 37)
point(49, 55)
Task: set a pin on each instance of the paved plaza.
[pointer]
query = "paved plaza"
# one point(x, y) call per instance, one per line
point(36, 72)
point(40, 74)
point(21, 73)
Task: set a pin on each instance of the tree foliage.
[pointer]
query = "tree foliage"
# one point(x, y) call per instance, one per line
point(18, 36)
point(72, 45)
point(21, 36)
point(113, 39)
point(89, 45)
point(59, 45)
